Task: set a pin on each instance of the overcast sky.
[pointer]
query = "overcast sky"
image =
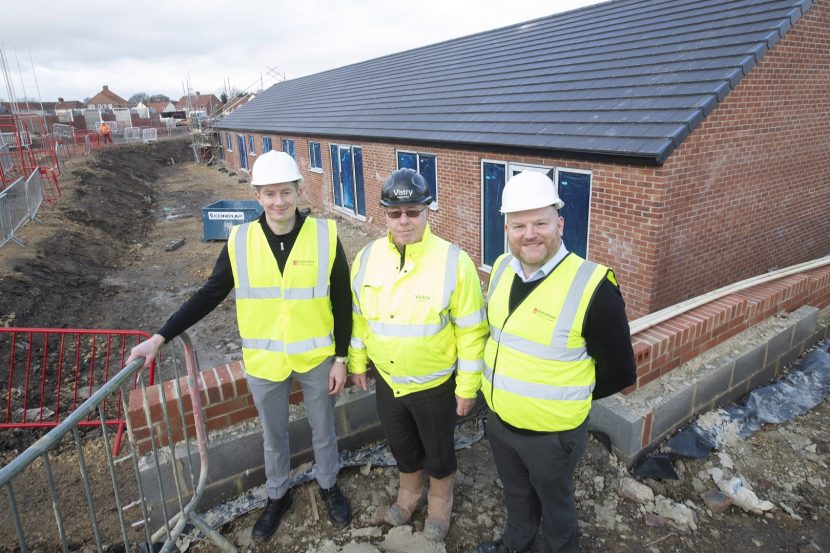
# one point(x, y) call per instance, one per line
point(151, 47)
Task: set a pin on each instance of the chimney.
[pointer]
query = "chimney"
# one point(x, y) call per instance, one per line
point(106, 88)
point(60, 99)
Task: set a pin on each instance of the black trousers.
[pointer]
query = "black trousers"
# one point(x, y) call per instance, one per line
point(537, 473)
point(420, 427)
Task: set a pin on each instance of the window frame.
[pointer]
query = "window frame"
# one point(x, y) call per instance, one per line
point(251, 145)
point(284, 142)
point(228, 141)
point(270, 144)
point(434, 205)
point(311, 166)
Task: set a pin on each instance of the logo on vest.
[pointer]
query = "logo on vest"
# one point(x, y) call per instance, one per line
point(543, 314)
point(422, 298)
point(302, 263)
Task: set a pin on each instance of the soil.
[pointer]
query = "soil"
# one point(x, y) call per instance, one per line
point(98, 260)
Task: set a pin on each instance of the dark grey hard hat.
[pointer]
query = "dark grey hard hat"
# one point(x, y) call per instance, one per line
point(405, 186)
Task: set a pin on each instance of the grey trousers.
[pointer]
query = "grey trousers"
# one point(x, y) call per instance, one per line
point(537, 473)
point(271, 400)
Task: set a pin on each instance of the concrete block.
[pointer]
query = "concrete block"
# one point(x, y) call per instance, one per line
point(779, 344)
point(712, 384)
point(622, 425)
point(761, 378)
point(674, 410)
point(748, 364)
point(806, 325)
point(794, 353)
point(732, 394)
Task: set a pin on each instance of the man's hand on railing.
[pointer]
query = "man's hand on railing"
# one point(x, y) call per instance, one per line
point(148, 349)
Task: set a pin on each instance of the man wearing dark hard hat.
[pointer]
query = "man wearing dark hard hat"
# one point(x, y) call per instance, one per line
point(419, 317)
point(290, 276)
point(559, 338)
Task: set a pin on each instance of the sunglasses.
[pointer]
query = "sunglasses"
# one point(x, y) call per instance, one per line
point(411, 213)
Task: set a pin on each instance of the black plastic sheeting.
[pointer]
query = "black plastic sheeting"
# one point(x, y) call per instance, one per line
point(804, 387)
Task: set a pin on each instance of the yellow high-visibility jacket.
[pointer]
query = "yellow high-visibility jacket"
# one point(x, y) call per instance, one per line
point(419, 322)
point(537, 374)
point(285, 320)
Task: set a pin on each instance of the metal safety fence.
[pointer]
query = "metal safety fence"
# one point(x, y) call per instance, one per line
point(19, 204)
point(149, 134)
point(50, 372)
point(111, 502)
point(132, 133)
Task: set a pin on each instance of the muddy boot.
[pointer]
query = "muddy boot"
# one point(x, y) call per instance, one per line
point(439, 508)
point(410, 495)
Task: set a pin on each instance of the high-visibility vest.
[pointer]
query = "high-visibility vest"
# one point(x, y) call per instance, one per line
point(285, 320)
point(418, 331)
point(537, 372)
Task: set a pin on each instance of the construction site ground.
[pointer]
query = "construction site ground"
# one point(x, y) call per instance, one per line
point(99, 261)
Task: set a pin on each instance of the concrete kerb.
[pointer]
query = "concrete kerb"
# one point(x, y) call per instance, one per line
point(236, 458)
point(636, 423)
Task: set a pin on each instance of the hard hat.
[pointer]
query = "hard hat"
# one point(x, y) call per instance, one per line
point(529, 190)
point(405, 186)
point(275, 167)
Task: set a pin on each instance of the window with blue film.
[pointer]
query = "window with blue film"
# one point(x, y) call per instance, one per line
point(315, 156)
point(493, 180)
point(335, 175)
point(251, 146)
point(228, 141)
point(266, 144)
point(288, 147)
point(425, 164)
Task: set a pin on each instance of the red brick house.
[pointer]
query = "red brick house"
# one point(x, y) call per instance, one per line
point(107, 99)
point(690, 139)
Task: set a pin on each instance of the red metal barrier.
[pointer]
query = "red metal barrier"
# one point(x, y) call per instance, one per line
point(47, 373)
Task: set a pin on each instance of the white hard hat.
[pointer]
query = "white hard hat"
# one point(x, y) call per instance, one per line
point(529, 190)
point(274, 168)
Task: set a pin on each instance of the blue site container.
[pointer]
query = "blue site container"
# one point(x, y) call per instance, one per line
point(219, 217)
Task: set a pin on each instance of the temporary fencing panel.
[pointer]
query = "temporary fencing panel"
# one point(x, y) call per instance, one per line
point(149, 134)
point(132, 133)
point(50, 372)
point(14, 210)
point(108, 504)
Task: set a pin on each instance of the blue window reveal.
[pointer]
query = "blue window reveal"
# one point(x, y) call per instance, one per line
point(575, 191)
point(493, 180)
point(251, 147)
point(266, 144)
point(288, 147)
point(347, 178)
point(425, 164)
point(315, 157)
point(243, 157)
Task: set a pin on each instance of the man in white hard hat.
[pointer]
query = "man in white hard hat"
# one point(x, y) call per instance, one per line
point(419, 316)
point(559, 338)
point(290, 276)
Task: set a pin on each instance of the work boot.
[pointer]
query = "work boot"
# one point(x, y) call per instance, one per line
point(496, 546)
point(410, 497)
point(270, 518)
point(439, 507)
point(340, 514)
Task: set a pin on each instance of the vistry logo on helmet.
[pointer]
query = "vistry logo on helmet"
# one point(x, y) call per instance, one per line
point(403, 192)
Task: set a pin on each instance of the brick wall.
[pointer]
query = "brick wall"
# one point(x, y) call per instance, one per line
point(746, 192)
point(658, 350)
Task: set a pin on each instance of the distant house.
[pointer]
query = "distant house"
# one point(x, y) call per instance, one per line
point(162, 107)
point(688, 138)
point(107, 99)
point(63, 105)
point(207, 103)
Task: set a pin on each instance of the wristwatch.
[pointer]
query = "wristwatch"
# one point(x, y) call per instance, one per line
point(344, 360)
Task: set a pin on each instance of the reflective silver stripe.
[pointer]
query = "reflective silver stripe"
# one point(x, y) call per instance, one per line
point(470, 320)
point(357, 343)
point(538, 391)
point(293, 348)
point(496, 277)
point(407, 330)
point(542, 351)
point(450, 274)
point(423, 379)
point(305, 293)
point(358, 279)
point(558, 349)
point(322, 289)
point(467, 366)
point(270, 293)
point(241, 254)
point(244, 289)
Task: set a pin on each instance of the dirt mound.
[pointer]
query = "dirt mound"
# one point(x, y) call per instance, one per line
point(84, 236)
